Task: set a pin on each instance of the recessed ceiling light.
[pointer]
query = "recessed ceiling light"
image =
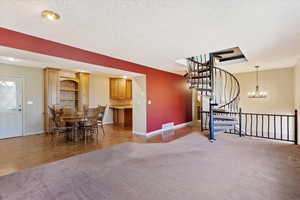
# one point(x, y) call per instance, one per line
point(125, 77)
point(83, 71)
point(48, 14)
point(8, 58)
point(11, 59)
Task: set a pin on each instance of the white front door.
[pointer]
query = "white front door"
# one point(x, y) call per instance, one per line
point(11, 114)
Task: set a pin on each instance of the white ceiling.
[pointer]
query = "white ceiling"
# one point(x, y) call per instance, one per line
point(28, 59)
point(156, 33)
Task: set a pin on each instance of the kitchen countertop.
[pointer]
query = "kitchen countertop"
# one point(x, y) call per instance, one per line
point(121, 106)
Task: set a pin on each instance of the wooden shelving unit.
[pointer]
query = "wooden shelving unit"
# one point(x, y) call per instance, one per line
point(69, 90)
point(69, 99)
point(69, 93)
point(66, 90)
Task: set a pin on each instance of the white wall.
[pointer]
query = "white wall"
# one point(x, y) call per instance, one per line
point(139, 103)
point(279, 83)
point(33, 91)
point(99, 94)
point(297, 92)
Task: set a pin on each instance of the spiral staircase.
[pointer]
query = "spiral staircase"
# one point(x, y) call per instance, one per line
point(220, 86)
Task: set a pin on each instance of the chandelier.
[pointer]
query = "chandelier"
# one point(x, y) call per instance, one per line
point(257, 93)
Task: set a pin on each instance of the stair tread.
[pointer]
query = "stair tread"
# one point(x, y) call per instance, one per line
point(225, 123)
point(219, 110)
point(201, 70)
point(223, 127)
point(204, 89)
point(223, 117)
point(203, 82)
point(200, 77)
point(206, 95)
point(200, 86)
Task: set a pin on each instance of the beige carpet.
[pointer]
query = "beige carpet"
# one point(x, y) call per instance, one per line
point(189, 168)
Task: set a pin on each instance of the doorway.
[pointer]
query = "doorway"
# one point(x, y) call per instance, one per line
point(11, 107)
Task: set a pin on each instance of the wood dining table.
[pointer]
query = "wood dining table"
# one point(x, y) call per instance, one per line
point(74, 119)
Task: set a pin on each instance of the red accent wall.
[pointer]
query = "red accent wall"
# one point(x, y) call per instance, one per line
point(171, 100)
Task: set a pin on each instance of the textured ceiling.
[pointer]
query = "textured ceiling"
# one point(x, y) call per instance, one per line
point(156, 33)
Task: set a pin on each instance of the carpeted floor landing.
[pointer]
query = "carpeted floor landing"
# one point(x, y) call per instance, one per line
point(189, 168)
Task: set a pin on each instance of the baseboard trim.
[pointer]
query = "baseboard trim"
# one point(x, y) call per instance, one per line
point(34, 133)
point(139, 133)
point(111, 122)
point(156, 132)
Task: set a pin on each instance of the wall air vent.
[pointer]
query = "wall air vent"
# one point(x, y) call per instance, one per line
point(168, 126)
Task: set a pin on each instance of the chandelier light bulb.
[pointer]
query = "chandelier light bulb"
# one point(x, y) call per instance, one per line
point(257, 93)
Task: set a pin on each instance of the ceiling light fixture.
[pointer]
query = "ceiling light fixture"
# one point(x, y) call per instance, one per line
point(257, 93)
point(50, 15)
point(11, 59)
point(125, 77)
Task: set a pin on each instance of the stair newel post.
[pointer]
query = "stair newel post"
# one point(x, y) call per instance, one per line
point(296, 126)
point(211, 84)
point(201, 119)
point(240, 122)
point(211, 122)
point(211, 72)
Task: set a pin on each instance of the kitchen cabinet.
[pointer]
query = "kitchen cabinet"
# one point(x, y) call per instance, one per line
point(128, 93)
point(120, 89)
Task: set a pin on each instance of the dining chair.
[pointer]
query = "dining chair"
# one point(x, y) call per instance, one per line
point(100, 119)
point(89, 125)
point(68, 110)
point(58, 125)
point(69, 123)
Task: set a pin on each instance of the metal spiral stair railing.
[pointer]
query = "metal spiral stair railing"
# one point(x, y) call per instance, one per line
point(222, 88)
point(230, 103)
